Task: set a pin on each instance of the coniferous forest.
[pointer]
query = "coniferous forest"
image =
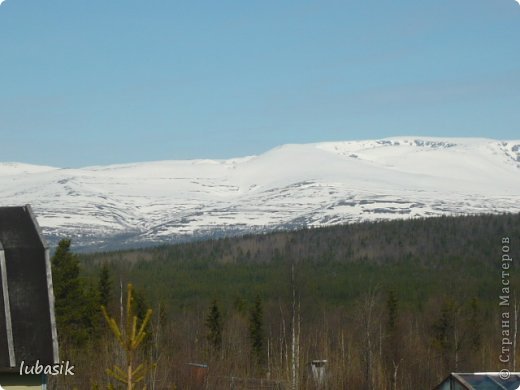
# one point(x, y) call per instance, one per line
point(382, 306)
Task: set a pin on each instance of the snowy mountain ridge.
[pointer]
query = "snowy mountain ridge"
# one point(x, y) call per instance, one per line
point(289, 186)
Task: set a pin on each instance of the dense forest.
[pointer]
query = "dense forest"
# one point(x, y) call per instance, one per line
point(384, 305)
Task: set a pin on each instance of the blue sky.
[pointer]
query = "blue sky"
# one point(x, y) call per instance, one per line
point(98, 82)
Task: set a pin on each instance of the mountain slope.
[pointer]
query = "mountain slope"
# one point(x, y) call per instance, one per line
point(289, 186)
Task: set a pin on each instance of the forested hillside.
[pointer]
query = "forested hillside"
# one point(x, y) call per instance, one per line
point(389, 305)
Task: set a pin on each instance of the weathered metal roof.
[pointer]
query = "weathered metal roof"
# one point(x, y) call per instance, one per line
point(27, 323)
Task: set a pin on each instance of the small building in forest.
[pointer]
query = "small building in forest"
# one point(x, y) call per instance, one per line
point(28, 336)
point(317, 369)
point(481, 381)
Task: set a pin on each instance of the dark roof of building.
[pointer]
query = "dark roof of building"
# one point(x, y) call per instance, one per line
point(27, 323)
point(482, 381)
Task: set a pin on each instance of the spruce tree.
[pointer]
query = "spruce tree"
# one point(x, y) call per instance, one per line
point(139, 304)
point(391, 307)
point(214, 325)
point(140, 309)
point(393, 349)
point(105, 285)
point(74, 303)
point(256, 330)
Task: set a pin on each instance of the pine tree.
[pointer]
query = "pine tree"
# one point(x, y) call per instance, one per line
point(214, 325)
point(130, 338)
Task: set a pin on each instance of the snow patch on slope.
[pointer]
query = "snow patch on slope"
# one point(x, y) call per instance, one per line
point(289, 186)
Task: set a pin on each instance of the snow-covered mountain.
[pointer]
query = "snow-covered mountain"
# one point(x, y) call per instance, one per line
point(289, 186)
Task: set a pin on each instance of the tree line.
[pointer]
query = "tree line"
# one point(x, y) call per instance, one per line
point(386, 305)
